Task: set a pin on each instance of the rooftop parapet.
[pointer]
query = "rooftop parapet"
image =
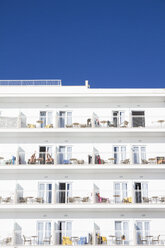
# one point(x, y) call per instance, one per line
point(54, 82)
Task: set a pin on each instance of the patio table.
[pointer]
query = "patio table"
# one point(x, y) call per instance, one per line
point(152, 160)
point(34, 239)
point(74, 160)
point(112, 239)
point(161, 122)
point(76, 124)
point(39, 122)
point(30, 199)
point(116, 196)
point(111, 160)
point(155, 198)
point(104, 123)
point(75, 240)
point(77, 199)
point(149, 239)
point(39, 160)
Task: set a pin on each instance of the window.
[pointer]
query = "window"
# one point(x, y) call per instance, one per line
point(138, 119)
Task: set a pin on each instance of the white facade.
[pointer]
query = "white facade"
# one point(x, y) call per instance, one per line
point(81, 166)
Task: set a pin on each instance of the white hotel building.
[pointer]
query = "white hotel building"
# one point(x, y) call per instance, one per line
point(81, 166)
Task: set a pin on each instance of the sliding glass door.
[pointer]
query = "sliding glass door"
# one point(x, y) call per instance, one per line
point(119, 154)
point(45, 192)
point(65, 118)
point(118, 118)
point(141, 191)
point(142, 230)
point(46, 118)
point(122, 232)
point(138, 154)
point(65, 154)
point(120, 191)
point(43, 231)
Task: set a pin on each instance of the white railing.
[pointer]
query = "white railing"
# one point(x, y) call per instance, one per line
point(36, 158)
point(34, 197)
point(81, 196)
point(82, 158)
point(82, 237)
point(54, 82)
point(80, 121)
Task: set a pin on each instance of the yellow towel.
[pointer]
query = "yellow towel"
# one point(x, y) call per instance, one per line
point(66, 241)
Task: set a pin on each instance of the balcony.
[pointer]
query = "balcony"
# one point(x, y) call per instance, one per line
point(35, 119)
point(70, 157)
point(83, 194)
point(50, 233)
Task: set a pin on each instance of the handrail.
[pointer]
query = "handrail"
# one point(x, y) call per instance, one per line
point(54, 82)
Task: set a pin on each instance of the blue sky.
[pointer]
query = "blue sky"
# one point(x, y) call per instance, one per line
point(112, 43)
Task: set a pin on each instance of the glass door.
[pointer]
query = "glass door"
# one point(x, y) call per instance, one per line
point(43, 231)
point(141, 191)
point(122, 232)
point(65, 154)
point(65, 118)
point(120, 191)
point(142, 230)
point(46, 155)
point(64, 192)
point(118, 118)
point(139, 154)
point(119, 154)
point(45, 192)
point(46, 118)
point(65, 230)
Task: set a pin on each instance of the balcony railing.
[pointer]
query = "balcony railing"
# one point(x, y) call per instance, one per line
point(82, 237)
point(81, 197)
point(81, 158)
point(53, 120)
point(56, 82)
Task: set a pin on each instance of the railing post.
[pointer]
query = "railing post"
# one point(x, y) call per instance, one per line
point(19, 120)
point(130, 120)
point(130, 155)
point(55, 156)
point(15, 196)
point(93, 121)
point(93, 157)
point(93, 196)
point(53, 195)
point(56, 120)
point(17, 157)
point(13, 238)
point(53, 242)
point(94, 237)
